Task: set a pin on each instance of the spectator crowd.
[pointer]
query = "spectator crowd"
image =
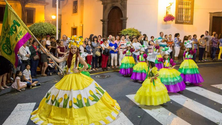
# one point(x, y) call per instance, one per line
point(101, 52)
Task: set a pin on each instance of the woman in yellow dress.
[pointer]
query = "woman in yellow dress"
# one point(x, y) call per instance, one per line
point(76, 99)
point(152, 92)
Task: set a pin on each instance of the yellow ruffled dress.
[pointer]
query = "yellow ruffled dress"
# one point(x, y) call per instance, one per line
point(152, 92)
point(76, 100)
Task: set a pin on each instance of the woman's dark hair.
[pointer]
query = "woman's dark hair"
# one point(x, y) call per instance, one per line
point(185, 38)
point(194, 35)
point(27, 65)
point(91, 37)
point(152, 37)
point(58, 41)
point(165, 35)
point(206, 38)
point(202, 36)
point(99, 36)
point(152, 64)
point(122, 36)
point(145, 37)
point(17, 73)
point(69, 61)
point(104, 40)
point(177, 34)
point(33, 41)
point(95, 37)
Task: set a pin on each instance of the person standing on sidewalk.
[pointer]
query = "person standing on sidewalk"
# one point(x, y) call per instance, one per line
point(122, 47)
point(105, 54)
point(114, 50)
point(202, 45)
point(177, 42)
point(207, 49)
point(214, 48)
point(24, 53)
point(195, 44)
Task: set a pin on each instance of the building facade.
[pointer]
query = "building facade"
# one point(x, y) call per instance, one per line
point(104, 17)
point(35, 11)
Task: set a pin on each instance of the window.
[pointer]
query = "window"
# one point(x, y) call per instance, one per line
point(30, 15)
point(2, 11)
point(184, 11)
point(75, 6)
point(54, 3)
point(74, 31)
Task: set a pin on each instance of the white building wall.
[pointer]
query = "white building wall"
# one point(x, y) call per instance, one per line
point(93, 13)
point(201, 21)
point(143, 15)
point(147, 16)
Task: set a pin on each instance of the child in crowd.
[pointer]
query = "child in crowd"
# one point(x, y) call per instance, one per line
point(51, 68)
point(27, 77)
point(188, 68)
point(140, 69)
point(152, 92)
point(18, 84)
point(151, 45)
point(128, 61)
point(169, 76)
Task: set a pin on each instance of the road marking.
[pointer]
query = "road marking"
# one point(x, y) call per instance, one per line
point(104, 72)
point(121, 120)
point(161, 114)
point(20, 115)
point(200, 109)
point(219, 86)
point(206, 93)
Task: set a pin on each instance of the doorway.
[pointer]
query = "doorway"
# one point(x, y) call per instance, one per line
point(217, 25)
point(74, 31)
point(114, 21)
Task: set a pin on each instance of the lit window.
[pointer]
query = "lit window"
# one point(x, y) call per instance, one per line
point(184, 11)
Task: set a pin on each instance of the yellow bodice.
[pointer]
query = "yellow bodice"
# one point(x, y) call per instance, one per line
point(73, 62)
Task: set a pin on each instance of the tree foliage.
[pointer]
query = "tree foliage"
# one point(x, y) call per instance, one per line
point(130, 32)
point(42, 29)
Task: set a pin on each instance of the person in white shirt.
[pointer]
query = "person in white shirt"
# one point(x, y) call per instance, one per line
point(122, 47)
point(25, 55)
point(136, 46)
point(27, 77)
point(65, 41)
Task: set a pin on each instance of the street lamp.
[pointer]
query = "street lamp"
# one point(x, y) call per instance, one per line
point(53, 17)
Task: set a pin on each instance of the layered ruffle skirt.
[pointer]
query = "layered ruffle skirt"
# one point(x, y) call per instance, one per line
point(152, 93)
point(127, 64)
point(172, 80)
point(140, 71)
point(189, 72)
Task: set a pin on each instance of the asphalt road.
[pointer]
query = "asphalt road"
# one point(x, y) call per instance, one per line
point(202, 105)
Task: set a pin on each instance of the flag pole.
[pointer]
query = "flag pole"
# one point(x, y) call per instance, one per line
point(24, 25)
